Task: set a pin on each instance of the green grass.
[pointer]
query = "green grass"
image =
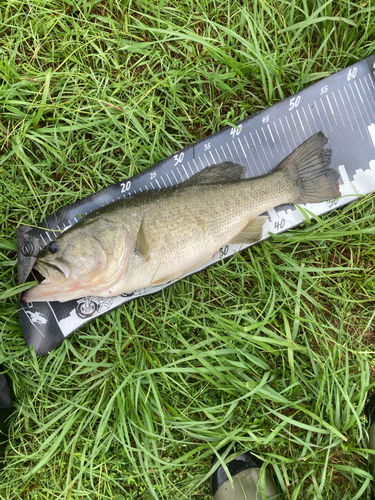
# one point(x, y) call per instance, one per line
point(271, 349)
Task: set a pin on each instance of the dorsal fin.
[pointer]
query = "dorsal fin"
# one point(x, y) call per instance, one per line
point(219, 173)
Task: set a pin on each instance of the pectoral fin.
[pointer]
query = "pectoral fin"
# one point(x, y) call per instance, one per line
point(142, 246)
point(252, 232)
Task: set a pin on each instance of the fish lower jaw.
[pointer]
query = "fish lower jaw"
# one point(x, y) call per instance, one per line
point(40, 293)
point(49, 292)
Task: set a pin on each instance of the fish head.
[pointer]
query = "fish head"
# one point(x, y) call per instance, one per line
point(72, 256)
point(84, 260)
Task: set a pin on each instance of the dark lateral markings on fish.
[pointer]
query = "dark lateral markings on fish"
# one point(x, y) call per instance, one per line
point(341, 106)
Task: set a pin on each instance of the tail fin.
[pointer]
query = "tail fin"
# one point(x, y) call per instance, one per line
point(308, 168)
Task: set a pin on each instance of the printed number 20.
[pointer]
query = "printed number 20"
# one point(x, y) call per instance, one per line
point(125, 187)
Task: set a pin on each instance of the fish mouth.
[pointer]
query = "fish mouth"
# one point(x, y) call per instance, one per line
point(53, 273)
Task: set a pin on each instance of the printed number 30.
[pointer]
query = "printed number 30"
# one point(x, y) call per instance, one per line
point(178, 158)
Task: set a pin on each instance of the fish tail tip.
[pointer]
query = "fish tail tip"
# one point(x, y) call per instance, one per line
point(309, 168)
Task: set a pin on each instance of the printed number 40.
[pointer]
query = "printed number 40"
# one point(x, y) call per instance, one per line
point(235, 131)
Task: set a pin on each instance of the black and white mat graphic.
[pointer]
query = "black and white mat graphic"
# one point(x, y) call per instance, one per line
point(342, 106)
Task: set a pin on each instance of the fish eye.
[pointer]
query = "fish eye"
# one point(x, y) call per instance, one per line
point(53, 247)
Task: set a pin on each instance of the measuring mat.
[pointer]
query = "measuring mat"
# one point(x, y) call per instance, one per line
point(341, 106)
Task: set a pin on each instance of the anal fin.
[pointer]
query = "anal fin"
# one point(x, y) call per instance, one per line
point(166, 279)
point(170, 276)
point(252, 232)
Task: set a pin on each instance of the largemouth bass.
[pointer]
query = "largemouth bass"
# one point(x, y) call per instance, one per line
point(156, 236)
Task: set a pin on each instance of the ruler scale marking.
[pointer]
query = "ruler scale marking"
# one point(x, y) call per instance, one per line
point(365, 93)
point(278, 135)
point(330, 106)
point(224, 153)
point(178, 170)
point(260, 142)
point(290, 130)
point(371, 80)
point(218, 155)
point(320, 118)
point(286, 137)
point(191, 170)
point(313, 118)
point(267, 142)
point(303, 128)
point(256, 150)
point(273, 140)
point(347, 96)
point(346, 111)
point(255, 163)
point(307, 121)
point(325, 112)
point(295, 126)
point(355, 100)
point(247, 160)
point(339, 110)
point(230, 151)
point(363, 104)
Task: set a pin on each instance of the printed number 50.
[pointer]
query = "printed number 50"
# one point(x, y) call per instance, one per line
point(293, 103)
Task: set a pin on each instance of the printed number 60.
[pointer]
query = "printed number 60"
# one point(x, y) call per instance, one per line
point(352, 73)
